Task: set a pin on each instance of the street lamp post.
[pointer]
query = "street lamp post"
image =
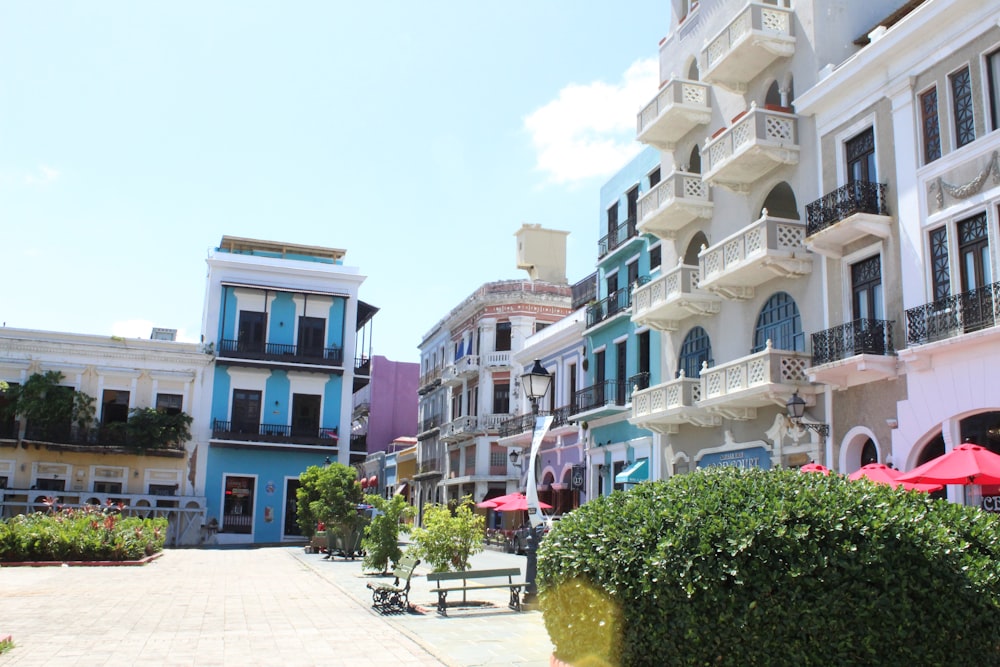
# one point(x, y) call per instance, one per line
point(536, 383)
point(796, 408)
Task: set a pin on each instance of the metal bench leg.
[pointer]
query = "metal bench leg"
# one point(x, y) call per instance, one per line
point(515, 598)
point(443, 603)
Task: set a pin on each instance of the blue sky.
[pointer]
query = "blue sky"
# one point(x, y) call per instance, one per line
point(418, 136)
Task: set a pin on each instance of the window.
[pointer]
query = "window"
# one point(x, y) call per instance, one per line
point(305, 415)
point(251, 334)
point(611, 281)
point(654, 178)
point(961, 99)
point(993, 87)
point(940, 270)
point(107, 487)
point(929, 124)
point(695, 350)
point(456, 403)
point(612, 224)
point(621, 372)
point(503, 337)
point(633, 206)
point(312, 331)
point(501, 399)
point(633, 273)
point(780, 323)
point(114, 406)
point(616, 468)
point(169, 403)
point(7, 424)
point(974, 253)
point(541, 325)
point(642, 342)
point(866, 288)
point(162, 489)
point(599, 377)
point(3, 481)
point(654, 257)
point(246, 411)
point(861, 157)
point(473, 401)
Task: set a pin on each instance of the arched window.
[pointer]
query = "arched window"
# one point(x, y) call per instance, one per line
point(869, 453)
point(693, 73)
point(695, 350)
point(780, 202)
point(694, 160)
point(773, 96)
point(780, 323)
point(691, 256)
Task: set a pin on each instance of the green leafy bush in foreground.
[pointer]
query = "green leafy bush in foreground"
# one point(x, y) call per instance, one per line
point(729, 567)
point(88, 533)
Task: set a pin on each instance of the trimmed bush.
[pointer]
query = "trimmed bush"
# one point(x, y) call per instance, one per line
point(88, 533)
point(730, 567)
point(449, 537)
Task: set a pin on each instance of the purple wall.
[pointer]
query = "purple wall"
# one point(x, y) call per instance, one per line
point(393, 402)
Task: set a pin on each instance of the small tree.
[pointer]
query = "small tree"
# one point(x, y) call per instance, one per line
point(381, 542)
point(45, 403)
point(449, 538)
point(330, 495)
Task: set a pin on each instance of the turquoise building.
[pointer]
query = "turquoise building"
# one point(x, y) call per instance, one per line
point(285, 322)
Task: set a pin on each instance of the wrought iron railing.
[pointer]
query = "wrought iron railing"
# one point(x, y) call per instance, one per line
point(96, 434)
point(856, 197)
point(359, 442)
point(281, 352)
point(306, 434)
point(362, 366)
point(639, 381)
point(618, 301)
point(524, 423)
point(603, 393)
point(861, 336)
point(617, 238)
point(430, 423)
point(954, 315)
point(584, 291)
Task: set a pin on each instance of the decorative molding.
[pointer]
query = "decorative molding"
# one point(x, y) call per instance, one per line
point(938, 187)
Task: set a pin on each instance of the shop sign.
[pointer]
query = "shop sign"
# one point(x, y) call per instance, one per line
point(991, 503)
point(752, 457)
point(576, 478)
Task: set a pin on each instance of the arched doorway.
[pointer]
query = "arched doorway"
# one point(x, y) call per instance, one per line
point(779, 322)
point(698, 241)
point(695, 350)
point(780, 202)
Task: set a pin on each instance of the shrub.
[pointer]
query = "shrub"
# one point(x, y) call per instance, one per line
point(449, 538)
point(381, 542)
point(89, 533)
point(729, 567)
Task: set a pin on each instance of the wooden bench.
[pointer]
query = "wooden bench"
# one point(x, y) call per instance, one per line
point(474, 580)
point(395, 596)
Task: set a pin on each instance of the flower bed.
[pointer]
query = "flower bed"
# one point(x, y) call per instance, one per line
point(85, 534)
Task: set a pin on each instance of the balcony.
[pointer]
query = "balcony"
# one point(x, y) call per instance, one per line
point(465, 367)
point(462, 428)
point(758, 142)
point(325, 356)
point(736, 389)
point(584, 291)
point(428, 427)
point(953, 316)
point(618, 303)
point(678, 200)
point(678, 108)
point(768, 248)
point(617, 239)
point(663, 302)
point(522, 425)
point(846, 215)
point(275, 433)
point(603, 399)
point(500, 359)
point(359, 443)
point(110, 437)
point(853, 353)
point(756, 37)
point(663, 407)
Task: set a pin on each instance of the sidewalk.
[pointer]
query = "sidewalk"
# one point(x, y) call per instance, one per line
point(246, 607)
point(492, 635)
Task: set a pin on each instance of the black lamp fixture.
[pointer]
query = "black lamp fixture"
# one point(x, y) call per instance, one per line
point(515, 457)
point(796, 407)
point(536, 383)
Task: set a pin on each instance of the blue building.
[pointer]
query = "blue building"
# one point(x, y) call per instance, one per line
point(621, 355)
point(284, 320)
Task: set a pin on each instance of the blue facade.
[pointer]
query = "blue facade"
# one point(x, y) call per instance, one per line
point(620, 355)
point(278, 394)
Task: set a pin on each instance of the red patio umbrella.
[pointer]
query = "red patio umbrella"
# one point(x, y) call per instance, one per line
point(880, 473)
point(815, 467)
point(499, 500)
point(966, 464)
point(520, 504)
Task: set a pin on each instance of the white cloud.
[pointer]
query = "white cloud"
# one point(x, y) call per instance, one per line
point(589, 130)
point(41, 176)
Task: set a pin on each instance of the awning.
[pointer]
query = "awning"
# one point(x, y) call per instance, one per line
point(373, 481)
point(635, 473)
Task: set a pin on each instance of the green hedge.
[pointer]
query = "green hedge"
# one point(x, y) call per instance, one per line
point(79, 534)
point(729, 567)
